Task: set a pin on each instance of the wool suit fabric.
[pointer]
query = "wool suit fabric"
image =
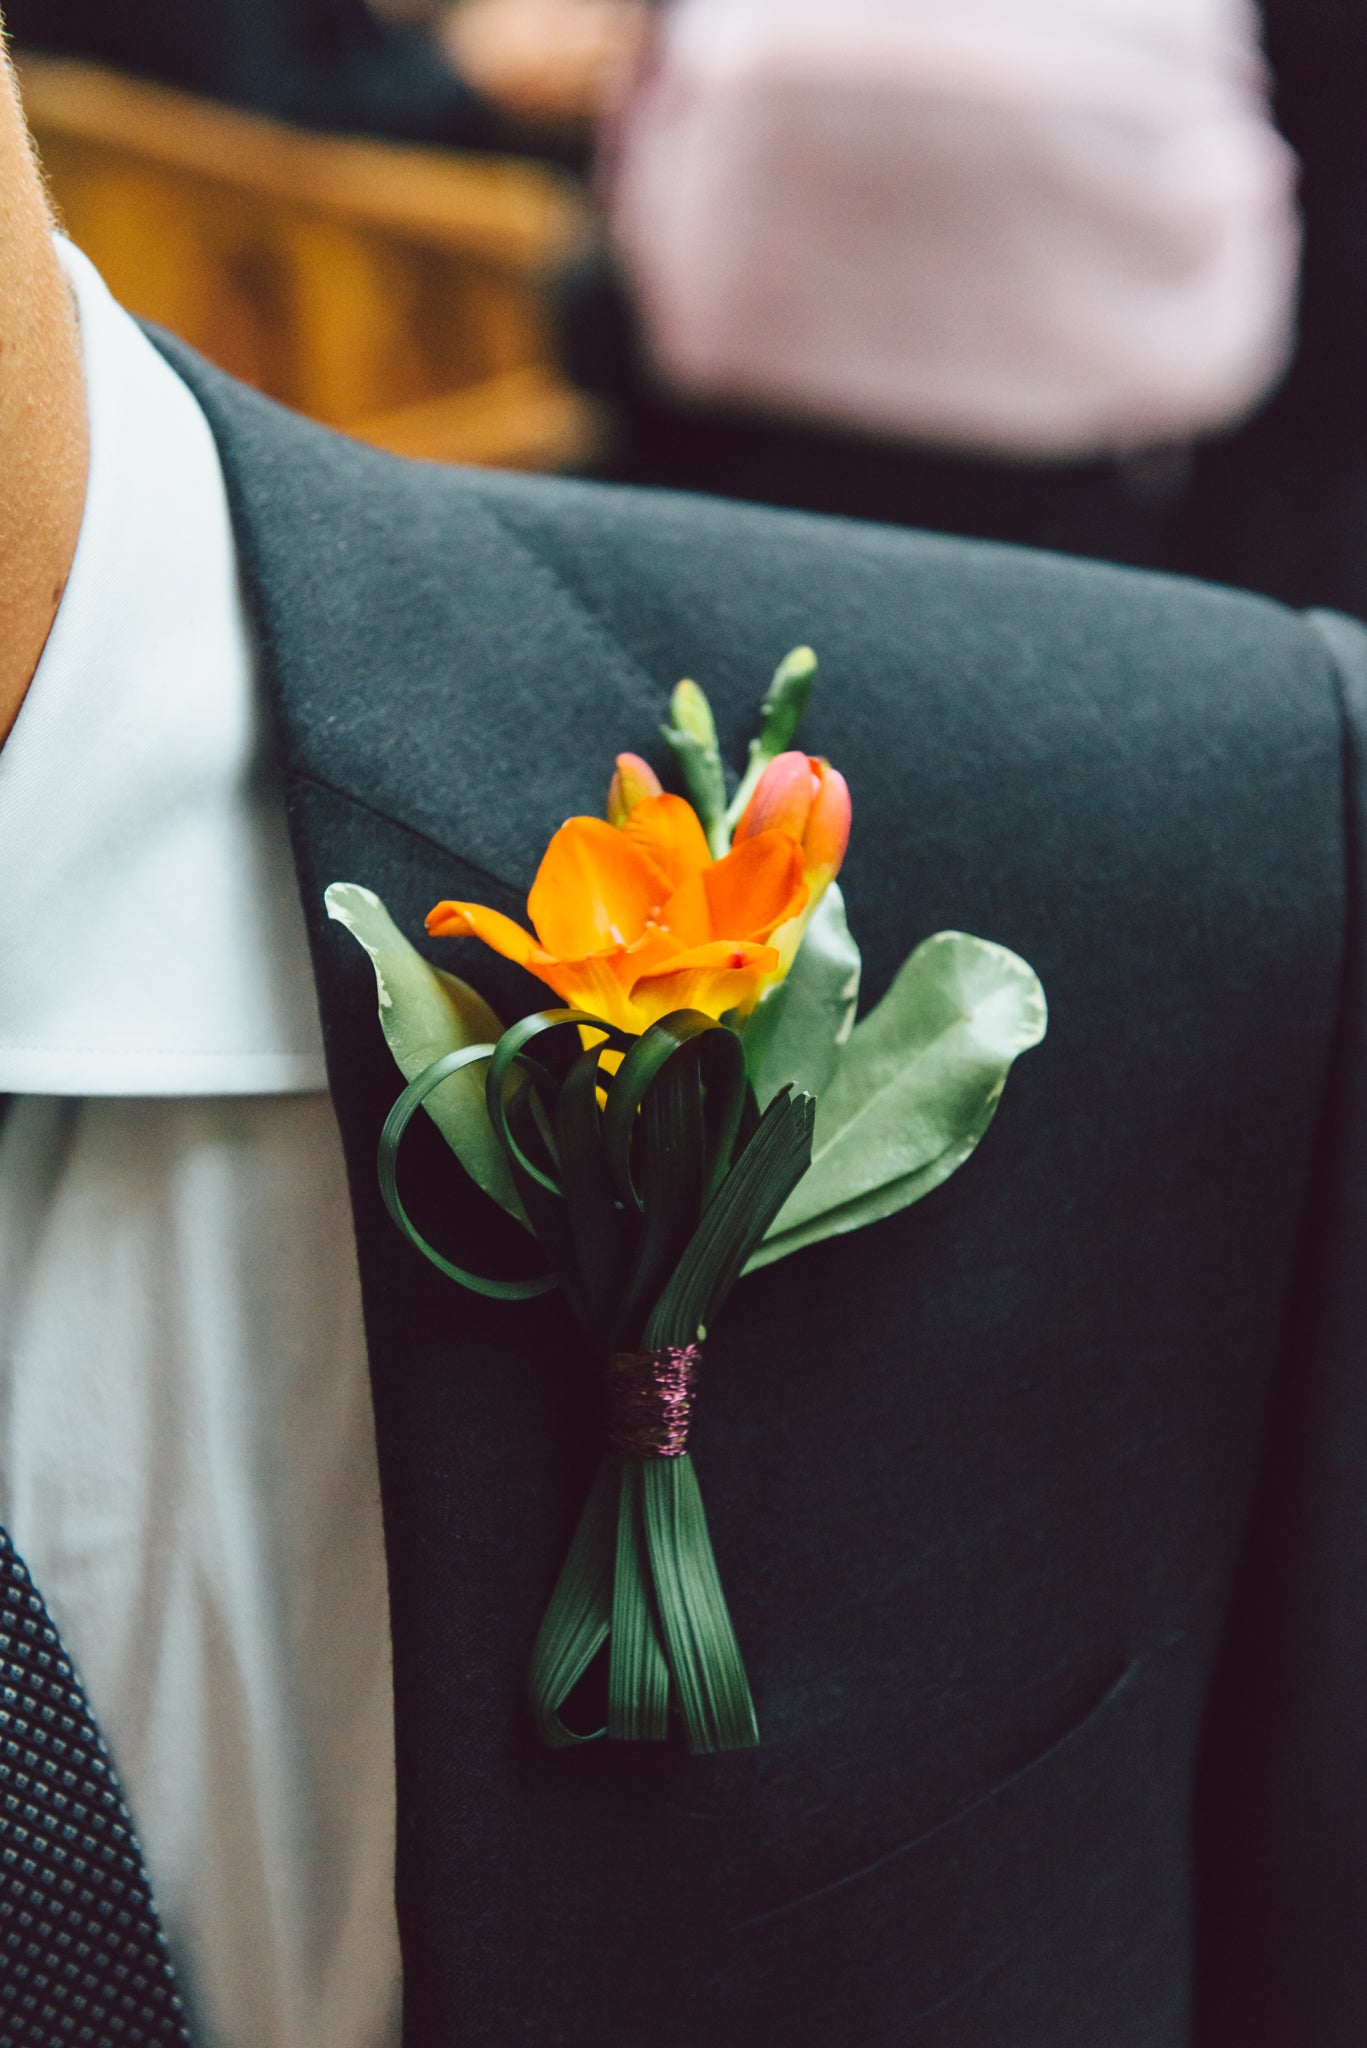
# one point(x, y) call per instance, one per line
point(1042, 1506)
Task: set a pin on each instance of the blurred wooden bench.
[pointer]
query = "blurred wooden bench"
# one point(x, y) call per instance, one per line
point(396, 293)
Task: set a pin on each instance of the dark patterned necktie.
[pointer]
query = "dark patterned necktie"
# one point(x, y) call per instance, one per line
point(83, 1961)
point(82, 1956)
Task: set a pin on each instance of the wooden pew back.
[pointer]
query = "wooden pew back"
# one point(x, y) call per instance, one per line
point(396, 293)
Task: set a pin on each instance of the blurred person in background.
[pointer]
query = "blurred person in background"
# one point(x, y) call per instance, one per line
point(481, 74)
point(989, 270)
point(1281, 506)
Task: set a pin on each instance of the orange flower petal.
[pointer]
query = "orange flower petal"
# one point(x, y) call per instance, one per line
point(656, 945)
point(714, 979)
point(595, 985)
point(828, 827)
point(593, 890)
point(473, 921)
point(757, 887)
point(670, 832)
point(687, 916)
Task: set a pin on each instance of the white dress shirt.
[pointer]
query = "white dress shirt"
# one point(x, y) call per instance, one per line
point(187, 1459)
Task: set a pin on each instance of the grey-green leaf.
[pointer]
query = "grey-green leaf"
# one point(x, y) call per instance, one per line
point(876, 1204)
point(915, 1088)
point(424, 1013)
point(796, 1032)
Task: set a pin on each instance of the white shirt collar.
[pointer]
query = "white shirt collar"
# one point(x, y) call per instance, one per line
point(151, 940)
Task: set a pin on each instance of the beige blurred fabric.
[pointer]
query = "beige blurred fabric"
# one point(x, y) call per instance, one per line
point(1044, 228)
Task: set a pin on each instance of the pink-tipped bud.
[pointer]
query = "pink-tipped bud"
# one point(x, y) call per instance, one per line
point(810, 801)
point(828, 825)
point(634, 781)
point(782, 801)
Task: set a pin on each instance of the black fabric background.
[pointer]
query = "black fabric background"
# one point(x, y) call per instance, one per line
point(981, 1477)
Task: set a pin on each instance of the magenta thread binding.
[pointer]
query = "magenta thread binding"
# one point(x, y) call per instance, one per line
point(650, 1400)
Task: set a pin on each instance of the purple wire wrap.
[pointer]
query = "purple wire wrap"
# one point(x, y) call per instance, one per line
point(650, 1400)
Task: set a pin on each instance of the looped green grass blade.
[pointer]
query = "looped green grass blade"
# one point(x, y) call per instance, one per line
point(577, 1620)
point(391, 1137)
point(548, 1213)
point(500, 1087)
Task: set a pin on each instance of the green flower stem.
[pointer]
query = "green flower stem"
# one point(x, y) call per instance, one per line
point(780, 716)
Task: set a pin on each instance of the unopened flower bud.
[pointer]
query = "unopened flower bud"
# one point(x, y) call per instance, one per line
point(634, 781)
point(828, 824)
point(805, 797)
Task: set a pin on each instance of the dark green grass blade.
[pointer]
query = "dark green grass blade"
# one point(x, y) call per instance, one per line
point(501, 1086)
point(547, 1213)
point(672, 1149)
point(704, 1659)
point(638, 1676)
point(673, 1112)
point(750, 1197)
point(718, 1059)
point(576, 1624)
point(721, 1060)
point(597, 1226)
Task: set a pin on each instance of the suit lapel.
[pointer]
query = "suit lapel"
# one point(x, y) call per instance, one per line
point(412, 613)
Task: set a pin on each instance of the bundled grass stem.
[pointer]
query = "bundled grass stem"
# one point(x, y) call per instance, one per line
point(647, 1189)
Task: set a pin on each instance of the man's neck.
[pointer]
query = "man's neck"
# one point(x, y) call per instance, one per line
point(43, 433)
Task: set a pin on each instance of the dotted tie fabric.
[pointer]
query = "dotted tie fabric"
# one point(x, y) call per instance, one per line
point(83, 1961)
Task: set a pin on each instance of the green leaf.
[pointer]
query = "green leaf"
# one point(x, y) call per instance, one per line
point(796, 1032)
point(875, 1205)
point(425, 1013)
point(915, 1088)
point(781, 714)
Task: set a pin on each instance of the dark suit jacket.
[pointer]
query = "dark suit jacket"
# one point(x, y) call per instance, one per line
point(325, 63)
point(1042, 1507)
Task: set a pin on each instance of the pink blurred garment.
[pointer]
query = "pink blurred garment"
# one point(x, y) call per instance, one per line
point(1033, 227)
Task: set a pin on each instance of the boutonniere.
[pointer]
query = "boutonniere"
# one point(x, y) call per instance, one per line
point(698, 1102)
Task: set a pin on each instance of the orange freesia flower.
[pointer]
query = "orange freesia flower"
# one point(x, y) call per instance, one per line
point(805, 796)
point(808, 799)
point(632, 923)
